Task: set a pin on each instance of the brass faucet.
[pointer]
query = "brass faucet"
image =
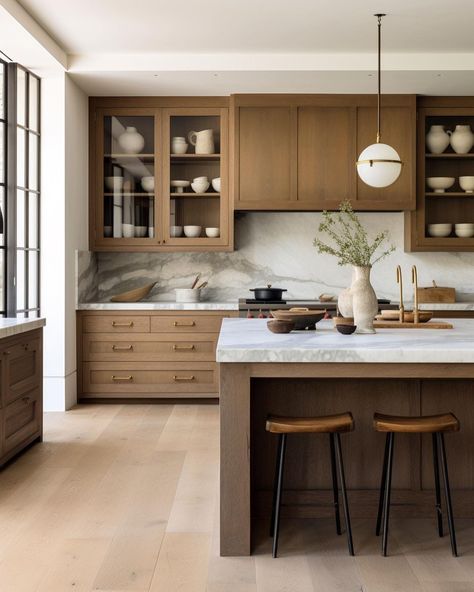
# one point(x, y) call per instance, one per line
point(400, 283)
point(414, 280)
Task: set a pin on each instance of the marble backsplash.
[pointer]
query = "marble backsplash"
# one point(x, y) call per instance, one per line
point(271, 248)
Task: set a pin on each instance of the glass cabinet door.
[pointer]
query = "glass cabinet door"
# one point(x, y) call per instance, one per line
point(128, 185)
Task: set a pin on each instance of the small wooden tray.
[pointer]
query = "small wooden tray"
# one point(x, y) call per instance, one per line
point(398, 325)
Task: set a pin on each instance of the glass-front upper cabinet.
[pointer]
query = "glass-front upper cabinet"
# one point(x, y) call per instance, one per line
point(127, 183)
point(195, 184)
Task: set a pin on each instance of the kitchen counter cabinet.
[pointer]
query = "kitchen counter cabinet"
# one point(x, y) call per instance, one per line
point(298, 152)
point(404, 372)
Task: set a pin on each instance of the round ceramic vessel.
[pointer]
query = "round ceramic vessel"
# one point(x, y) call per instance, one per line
point(192, 231)
point(212, 232)
point(131, 141)
point(440, 230)
point(467, 184)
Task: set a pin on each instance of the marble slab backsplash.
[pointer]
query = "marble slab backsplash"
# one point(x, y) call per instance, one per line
point(271, 248)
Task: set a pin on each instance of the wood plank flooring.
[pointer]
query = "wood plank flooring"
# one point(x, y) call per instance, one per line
point(125, 498)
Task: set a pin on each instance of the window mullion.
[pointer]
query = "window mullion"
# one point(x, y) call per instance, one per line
point(11, 205)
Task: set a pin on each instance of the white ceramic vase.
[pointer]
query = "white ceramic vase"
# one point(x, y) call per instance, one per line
point(437, 139)
point(364, 301)
point(344, 300)
point(462, 139)
point(131, 141)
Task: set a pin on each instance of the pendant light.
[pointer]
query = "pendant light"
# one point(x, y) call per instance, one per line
point(379, 165)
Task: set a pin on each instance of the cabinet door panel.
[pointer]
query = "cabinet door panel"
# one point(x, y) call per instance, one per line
point(397, 130)
point(326, 146)
point(264, 154)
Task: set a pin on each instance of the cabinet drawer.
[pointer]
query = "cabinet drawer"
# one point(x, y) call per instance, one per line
point(22, 367)
point(116, 324)
point(22, 419)
point(144, 347)
point(186, 323)
point(166, 379)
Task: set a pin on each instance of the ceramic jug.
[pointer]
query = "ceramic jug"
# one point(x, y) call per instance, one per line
point(437, 139)
point(364, 301)
point(203, 141)
point(131, 141)
point(462, 139)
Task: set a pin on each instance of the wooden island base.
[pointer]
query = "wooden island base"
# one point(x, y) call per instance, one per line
point(250, 391)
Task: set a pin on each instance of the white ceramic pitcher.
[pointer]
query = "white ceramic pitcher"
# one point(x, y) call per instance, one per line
point(203, 141)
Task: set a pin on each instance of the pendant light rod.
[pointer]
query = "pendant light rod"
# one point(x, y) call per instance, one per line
point(379, 69)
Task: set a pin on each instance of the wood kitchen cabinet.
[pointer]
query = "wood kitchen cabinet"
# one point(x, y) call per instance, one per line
point(298, 152)
point(132, 205)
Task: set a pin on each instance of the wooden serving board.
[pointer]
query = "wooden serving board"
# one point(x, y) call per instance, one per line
point(436, 295)
point(398, 325)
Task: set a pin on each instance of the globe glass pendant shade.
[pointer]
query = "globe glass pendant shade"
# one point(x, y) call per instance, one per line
point(375, 166)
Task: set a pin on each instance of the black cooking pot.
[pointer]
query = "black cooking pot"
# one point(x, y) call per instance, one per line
point(268, 293)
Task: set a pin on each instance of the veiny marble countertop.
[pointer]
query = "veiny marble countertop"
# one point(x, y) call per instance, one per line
point(249, 340)
point(229, 305)
point(10, 327)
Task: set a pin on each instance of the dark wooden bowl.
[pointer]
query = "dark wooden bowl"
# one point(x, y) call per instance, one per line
point(303, 319)
point(346, 329)
point(277, 326)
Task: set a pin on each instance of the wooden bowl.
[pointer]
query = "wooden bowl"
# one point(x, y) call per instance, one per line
point(346, 329)
point(342, 321)
point(133, 295)
point(302, 318)
point(277, 326)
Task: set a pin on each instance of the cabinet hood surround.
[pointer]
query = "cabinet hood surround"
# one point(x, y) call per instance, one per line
point(273, 248)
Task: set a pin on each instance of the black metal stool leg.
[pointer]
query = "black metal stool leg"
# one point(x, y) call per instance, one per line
point(447, 492)
point(382, 486)
point(334, 484)
point(388, 485)
point(439, 513)
point(345, 503)
point(278, 493)
point(275, 485)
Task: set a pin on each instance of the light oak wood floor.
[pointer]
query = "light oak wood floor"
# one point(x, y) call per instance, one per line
point(125, 498)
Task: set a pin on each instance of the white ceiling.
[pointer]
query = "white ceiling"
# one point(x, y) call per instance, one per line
point(223, 46)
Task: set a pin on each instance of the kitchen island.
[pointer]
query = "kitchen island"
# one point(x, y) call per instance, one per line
point(398, 371)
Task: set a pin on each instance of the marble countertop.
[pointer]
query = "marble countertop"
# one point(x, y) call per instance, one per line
point(10, 327)
point(249, 340)
point(229, 305)
point(446, 306)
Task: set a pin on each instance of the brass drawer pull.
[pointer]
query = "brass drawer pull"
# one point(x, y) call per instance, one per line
point(184, 324)
point(187, 378)
point(122, 347)
point(180, 347)
point(115, 324)
point(123, 378)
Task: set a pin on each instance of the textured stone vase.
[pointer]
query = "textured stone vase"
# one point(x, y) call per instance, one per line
point(344, 300)
point(364, 301)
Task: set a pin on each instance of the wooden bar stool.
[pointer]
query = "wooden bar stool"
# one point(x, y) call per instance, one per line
point(330, 424)
point(436, 425)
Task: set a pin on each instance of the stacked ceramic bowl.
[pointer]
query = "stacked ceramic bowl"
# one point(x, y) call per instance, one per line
point(200, 184)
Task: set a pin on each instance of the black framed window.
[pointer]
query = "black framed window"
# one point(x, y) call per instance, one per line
point(22, 232)
point(3, 184)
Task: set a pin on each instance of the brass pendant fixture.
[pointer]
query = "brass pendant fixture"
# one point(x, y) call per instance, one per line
point(379, 164)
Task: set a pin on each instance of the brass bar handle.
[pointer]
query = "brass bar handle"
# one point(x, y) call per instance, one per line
point(115, 324)
point(184, 324)
point(186, 378)
point(122, 347)
point(123, 378)
point(185, 347)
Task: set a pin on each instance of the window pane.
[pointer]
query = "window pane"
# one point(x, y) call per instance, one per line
point(33, 103)
point(2, 280)
point(33, 162)
point(33, 220)
point(32, 279)
point(20, 158)
point(21, 96)
point(3, 156)
point(3, 220)
point(20, 219)
point(20, 279)
point(2, 90)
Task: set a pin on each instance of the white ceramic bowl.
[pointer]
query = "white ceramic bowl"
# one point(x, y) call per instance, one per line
point(440, 184)
point(128, 230)
point(201, 180)
point(140, 231)
point(200, 187)
point(467, 184)
point(216, 184)
point(114, 183)
point(440, 230)
point(179, 145)
point(212, 232)
point(192, 231)
point(176, 231)
point(148, 184)
point(464, 230)
point(188, 295)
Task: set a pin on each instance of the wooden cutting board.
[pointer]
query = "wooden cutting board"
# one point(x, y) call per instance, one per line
point(398, 325)
point(436, 294)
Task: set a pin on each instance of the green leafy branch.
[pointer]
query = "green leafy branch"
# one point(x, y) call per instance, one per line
point(349, 241)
